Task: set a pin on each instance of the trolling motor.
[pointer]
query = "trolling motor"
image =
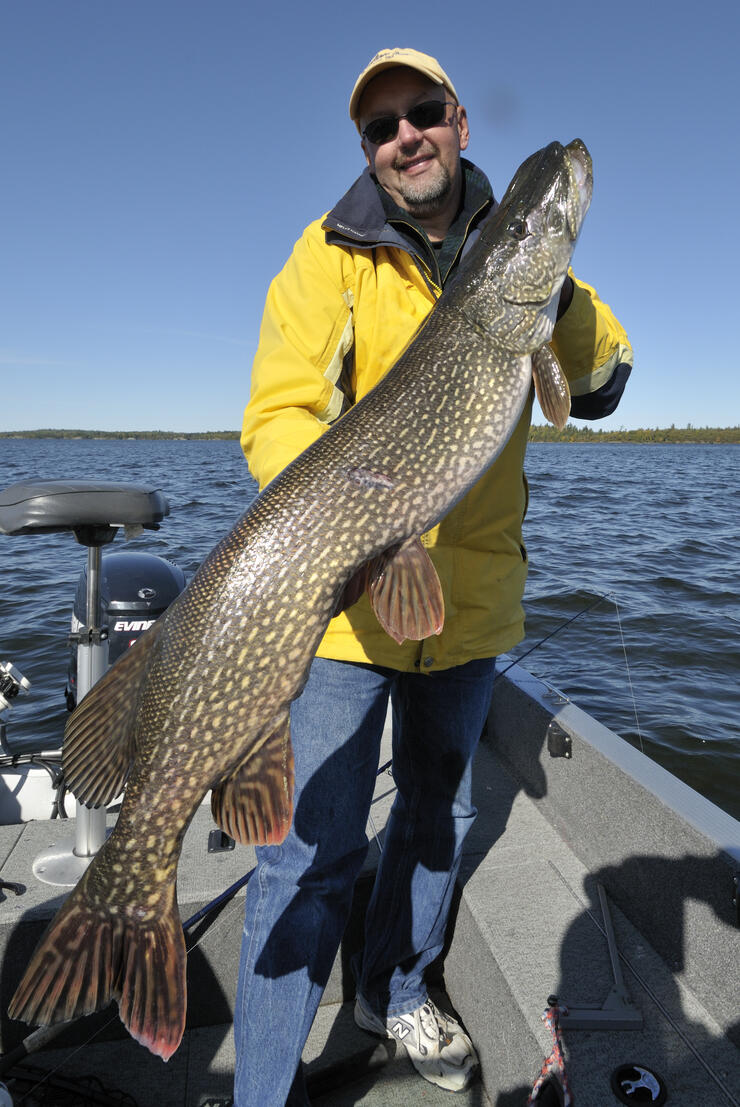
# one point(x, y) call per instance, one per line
point(93, 512)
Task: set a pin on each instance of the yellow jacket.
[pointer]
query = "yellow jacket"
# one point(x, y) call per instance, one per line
point(338, 315)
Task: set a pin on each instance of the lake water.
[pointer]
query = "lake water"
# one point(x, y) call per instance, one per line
point(647, 534)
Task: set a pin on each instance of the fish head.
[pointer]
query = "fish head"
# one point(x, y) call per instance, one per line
point(511, 281)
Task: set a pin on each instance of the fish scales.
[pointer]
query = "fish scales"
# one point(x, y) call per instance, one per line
point(202, 699)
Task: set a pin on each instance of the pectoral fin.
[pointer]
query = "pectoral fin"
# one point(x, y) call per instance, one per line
point(255, 804)
point(551, 387)
point(406, 594)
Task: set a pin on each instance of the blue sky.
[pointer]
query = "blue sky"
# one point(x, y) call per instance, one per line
point(160, 157)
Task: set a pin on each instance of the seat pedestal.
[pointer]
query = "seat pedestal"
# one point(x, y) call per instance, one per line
point(93, 512)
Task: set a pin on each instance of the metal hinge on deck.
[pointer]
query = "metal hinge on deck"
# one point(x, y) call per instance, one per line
point(617, 1012)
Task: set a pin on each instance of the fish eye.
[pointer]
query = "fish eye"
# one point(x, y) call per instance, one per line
point(518, 229)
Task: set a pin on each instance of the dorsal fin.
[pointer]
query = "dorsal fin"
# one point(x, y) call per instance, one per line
point(99, 739)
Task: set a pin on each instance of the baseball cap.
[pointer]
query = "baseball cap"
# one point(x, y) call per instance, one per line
point(387, 59)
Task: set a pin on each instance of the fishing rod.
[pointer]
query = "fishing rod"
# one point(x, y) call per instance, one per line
point(589, 607)
point(600, 598)
point(42, 1036)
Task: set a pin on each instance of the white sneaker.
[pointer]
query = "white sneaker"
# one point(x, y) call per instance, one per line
point(438, 1047)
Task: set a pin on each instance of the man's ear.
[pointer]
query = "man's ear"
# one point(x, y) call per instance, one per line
point(462, 126)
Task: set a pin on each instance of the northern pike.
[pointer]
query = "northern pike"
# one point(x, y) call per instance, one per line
point(202, 700)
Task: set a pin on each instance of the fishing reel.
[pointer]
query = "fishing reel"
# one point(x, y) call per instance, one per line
point(12, 682)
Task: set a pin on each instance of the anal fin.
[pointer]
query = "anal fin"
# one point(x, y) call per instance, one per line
point(255, 804)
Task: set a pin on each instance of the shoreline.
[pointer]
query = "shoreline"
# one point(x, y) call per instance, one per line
point(678, 436)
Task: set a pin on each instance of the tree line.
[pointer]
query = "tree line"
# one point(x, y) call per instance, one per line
point(689, 433)
point(545, 433)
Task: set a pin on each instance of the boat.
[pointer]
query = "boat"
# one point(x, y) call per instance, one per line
point(594, 939)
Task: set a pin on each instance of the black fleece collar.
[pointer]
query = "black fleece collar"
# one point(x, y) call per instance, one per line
point(367, 217)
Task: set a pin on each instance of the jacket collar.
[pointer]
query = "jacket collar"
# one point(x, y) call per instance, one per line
point(366, 217)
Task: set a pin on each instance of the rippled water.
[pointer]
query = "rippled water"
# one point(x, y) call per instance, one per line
point(655, 529)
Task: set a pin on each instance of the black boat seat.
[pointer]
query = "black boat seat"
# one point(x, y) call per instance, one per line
point(92, 510)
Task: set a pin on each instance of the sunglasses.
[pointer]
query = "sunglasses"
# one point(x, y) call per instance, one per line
point(429, 114)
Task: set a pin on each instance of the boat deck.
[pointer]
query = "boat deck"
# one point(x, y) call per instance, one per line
point(528, 923)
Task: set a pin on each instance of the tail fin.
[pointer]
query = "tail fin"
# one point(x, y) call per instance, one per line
point(90, 956)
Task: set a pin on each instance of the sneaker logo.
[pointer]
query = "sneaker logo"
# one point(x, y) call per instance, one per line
point(400, 1030)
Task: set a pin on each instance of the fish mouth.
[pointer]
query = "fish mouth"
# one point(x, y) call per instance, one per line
point(522, 301)
point(580, 160)
point(580, 171)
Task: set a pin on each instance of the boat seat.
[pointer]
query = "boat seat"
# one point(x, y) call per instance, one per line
point(92, 510)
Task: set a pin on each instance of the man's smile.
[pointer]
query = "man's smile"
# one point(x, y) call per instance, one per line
point(416, 164)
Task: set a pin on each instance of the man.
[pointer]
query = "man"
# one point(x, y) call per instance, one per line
point(356, 288)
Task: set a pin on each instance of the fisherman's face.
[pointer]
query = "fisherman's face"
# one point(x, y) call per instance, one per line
point(419, 169)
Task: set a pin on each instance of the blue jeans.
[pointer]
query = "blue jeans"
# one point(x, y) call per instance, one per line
point(299, 897)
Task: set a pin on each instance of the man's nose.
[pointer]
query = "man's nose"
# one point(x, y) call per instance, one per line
point(408, 135)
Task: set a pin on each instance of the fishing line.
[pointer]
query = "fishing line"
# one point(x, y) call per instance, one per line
point(629, 675)
point(38, 1038)
point(589, 607)
point(371, 820)
point(716, 1077)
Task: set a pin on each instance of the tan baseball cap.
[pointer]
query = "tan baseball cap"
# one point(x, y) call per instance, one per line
point(387, 59)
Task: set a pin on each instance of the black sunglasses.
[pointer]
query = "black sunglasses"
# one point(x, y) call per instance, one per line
point(429, 114)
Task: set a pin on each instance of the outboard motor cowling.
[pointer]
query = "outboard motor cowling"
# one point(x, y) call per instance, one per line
point(135, 588)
